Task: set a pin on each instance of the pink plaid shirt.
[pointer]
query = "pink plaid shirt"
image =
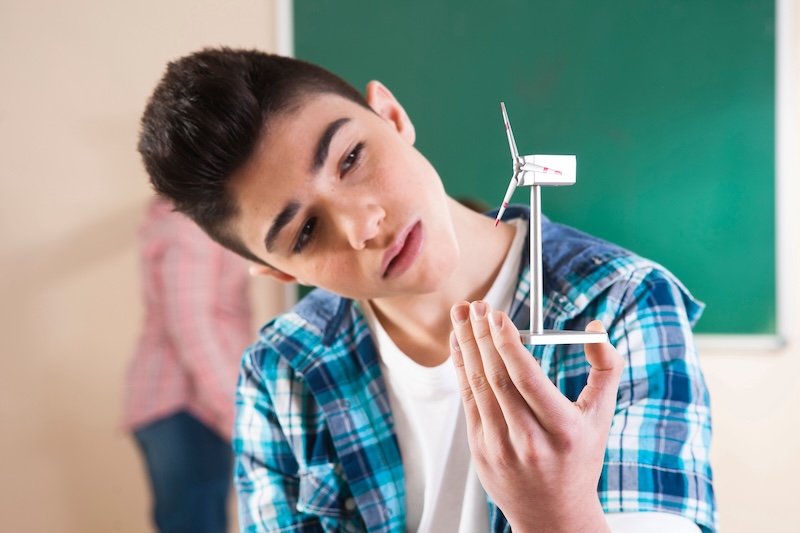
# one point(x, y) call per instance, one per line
point(196, 326)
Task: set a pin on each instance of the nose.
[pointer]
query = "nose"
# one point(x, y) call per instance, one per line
point(361, 224)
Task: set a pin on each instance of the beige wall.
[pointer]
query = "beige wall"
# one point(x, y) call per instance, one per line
point(75, 76)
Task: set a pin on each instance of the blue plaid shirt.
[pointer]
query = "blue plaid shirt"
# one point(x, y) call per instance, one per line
point(314, 436)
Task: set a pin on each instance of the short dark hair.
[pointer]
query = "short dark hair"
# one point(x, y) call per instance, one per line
point(205, 118)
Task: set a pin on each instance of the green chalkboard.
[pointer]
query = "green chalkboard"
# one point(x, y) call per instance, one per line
point(669, 106)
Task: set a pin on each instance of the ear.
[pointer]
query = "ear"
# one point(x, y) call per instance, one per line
point(383, 102)
point(270, 272)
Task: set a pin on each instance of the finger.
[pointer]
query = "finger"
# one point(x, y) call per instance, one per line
point(478, 385)
point(553, 410)
point(600, 394)
point(516, 411)
point(471, 412)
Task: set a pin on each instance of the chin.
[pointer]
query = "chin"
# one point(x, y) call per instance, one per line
point(440, 272)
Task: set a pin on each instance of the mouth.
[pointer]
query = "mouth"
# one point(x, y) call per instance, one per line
point(403, 252)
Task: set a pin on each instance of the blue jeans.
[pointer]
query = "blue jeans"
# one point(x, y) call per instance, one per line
point(190, 469)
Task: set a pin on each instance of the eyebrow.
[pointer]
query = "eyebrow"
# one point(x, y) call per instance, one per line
point(292, 208)
point(281, 221)
point(324, 143)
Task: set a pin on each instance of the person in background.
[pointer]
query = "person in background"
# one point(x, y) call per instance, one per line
point(179, 394)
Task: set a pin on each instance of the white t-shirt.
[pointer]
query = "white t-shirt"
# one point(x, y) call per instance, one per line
point(443, 493)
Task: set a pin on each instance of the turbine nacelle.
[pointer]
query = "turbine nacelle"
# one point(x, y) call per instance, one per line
point(532, 170)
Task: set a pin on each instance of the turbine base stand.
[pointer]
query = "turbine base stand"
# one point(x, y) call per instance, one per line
point(552, 336)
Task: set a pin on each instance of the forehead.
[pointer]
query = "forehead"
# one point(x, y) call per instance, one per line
point(310, 113)
point(283, 158)
point(295, 131)
point(290, 139)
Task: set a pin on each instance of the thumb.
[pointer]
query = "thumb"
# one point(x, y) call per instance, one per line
point(600, 394)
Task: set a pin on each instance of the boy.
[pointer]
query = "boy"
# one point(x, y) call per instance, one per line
point(350, 414)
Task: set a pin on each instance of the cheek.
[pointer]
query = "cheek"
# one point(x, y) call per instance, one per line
point(337, 270)
point(424, 182)
point(404, 171)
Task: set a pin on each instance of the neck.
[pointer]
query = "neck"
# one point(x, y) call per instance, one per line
point(420, 324)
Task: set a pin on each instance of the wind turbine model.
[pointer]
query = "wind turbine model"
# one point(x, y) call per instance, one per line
point(535, 171)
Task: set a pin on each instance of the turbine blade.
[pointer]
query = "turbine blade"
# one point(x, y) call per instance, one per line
point(511, 142)
point(532, 167)
point(512, 186)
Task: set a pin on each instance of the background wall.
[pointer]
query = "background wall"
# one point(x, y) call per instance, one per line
point(756, 394)
point(74, 81)
point(75, 78)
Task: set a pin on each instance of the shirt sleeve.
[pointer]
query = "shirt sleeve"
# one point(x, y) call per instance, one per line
point(652, 522)
point(266, 476)
point(657, 455)
point(204, 336)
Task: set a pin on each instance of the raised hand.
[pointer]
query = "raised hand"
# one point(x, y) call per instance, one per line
point(538, 455)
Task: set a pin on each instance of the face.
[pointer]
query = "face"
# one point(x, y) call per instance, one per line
point(338, 197)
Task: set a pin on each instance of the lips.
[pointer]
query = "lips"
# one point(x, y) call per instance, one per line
point(403, 252)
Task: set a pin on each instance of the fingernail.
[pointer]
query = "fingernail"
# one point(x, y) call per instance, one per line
point(478, 310)
point(495, 320)
point(459, 313)
point(595, 326)
point(454, 342)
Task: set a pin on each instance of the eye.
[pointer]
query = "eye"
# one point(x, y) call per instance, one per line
point(352, 159)
point(306, 235)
